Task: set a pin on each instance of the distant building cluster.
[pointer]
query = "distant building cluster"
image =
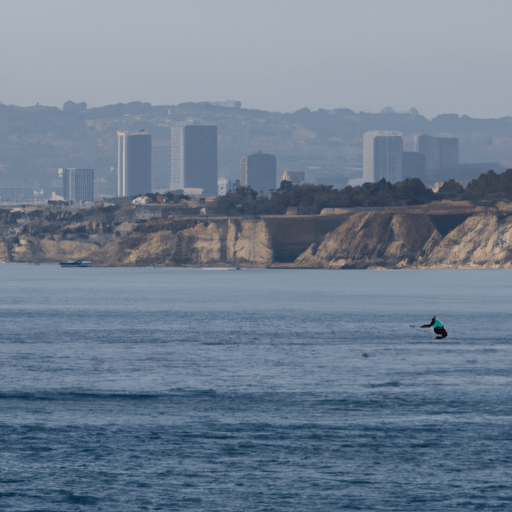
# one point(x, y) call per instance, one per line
point(186, 163)
point(184, 151)
point(193, 164)
point(384, 157)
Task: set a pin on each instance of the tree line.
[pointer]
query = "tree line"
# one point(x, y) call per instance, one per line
point(311, 199)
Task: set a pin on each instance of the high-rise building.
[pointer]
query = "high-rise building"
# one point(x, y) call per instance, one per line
point(194, 158)
point(258, 171)
point(77, 184)
point(133, 163)
point(160, 158)
point(382, 156)
point(177, 158)
point(440, 152)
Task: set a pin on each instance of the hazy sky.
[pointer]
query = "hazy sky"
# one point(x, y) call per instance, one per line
point(439, 56)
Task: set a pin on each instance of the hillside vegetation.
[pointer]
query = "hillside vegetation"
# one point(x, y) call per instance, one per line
point(311, 199)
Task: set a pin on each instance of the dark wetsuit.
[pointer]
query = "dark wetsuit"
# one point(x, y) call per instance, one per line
point(438, 328)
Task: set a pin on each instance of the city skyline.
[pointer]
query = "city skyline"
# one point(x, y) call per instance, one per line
point(434, 157)
point(324, 146)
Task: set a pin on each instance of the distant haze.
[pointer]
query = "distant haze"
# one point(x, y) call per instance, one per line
point(439, 56)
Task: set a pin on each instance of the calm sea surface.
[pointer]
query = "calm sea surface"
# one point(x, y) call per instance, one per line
point(254, 390)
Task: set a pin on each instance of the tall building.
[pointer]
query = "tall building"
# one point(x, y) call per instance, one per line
point(177, 158)
point(440, 152)
point(258, 171)
point(160, 158)
point(382, 156)
point(133, 163)
point(77, 184)
point(194, 158)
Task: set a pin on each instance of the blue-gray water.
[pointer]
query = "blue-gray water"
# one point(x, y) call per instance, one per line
point(191, 390)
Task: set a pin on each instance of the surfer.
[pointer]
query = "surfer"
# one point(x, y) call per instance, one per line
point(438, 328)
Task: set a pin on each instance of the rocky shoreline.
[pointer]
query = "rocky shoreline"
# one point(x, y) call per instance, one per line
point(440, 235)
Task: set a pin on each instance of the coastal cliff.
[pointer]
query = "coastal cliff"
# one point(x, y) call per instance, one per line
point(192, 243)
point(449, 235)
point(482, 241)
point(466, 238)
point(370, 239)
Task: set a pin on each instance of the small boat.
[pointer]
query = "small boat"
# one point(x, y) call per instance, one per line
point(220, 268)
point(76, 263)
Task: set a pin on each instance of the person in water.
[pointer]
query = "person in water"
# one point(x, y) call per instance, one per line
point(438, 328)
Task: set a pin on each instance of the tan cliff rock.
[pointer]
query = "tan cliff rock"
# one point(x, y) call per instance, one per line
point(447, 235)
point(231, 242)
point(4, 252)
point(372, 239)
point(482, 241)
point(54, 250)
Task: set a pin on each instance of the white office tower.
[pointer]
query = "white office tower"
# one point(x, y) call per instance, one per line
point(133, 163)
point(382, 156)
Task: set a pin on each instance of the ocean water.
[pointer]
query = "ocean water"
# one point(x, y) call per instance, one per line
point(132, 389)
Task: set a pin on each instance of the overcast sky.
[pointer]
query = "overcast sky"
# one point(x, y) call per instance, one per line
point(439, 56)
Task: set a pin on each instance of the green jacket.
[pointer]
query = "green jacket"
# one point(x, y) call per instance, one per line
point(434, 323)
